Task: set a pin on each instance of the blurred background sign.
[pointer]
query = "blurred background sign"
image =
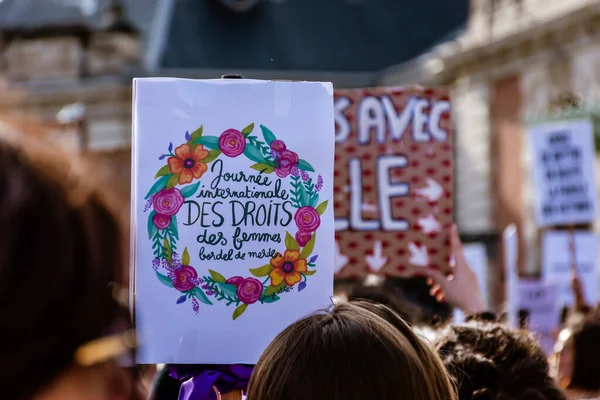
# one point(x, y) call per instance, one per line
point(557, 263)
point(539, 310)
point(393, 180)
point(563, 167)
point(476, 256)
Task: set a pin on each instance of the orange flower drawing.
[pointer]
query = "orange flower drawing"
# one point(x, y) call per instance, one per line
point(287, 267)
point(187, 163)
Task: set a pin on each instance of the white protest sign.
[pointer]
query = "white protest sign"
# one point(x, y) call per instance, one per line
point(540, 301)
point(232, 214)
point(563, 172)
point(511, 269)
point(476, 256)
point(556, 264)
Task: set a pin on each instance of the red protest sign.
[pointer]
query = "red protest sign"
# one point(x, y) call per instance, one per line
point(393, 181)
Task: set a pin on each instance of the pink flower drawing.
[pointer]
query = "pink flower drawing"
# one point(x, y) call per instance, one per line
point(184, 278)
point(249, 290)
point(302, 237)
point(307, 219)
point(167, 202)
point(278, 145)
point(234, 280)
point(232, 143)
point(161, 221)
point(287, 160)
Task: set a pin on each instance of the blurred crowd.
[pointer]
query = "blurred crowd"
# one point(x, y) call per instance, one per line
point(68, 334)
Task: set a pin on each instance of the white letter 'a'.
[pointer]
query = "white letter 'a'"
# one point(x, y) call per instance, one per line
point(371, 116)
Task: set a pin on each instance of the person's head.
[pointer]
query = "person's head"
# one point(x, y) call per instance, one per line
point(385, 293)
point(491, 361)
point(352, 351)
point(61, 255)
point(577, 358)
point(164, 387)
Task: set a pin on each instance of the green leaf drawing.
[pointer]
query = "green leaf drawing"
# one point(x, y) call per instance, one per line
point(305, 198)
point(157, 246)
point(297, 192)
point(172, 229)
point(152, 229)
point(222, 291)
point(165, 280)
point(290, 242)
point(197, 133)
point(264, 149)
point(172, 182)
point(271, 290)
point(163, 171)
point(270, 299)
point(190, 190)
point(185, 257)
point(158, 186)
point(253, 153)
point(262, 168)
point(168, 251)
point(239, 311)
point(217, 276)
point(210, 142)
point(212, 155)
point(199, 294)
point(248, 130)
point(322, 207)
point(228, 290)
point(261, 271)
point(309, 246)
point(311, 272)
point(314, 199)
point(268, 135)
point(305, 166)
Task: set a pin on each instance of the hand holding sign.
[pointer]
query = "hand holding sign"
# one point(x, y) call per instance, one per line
point(578, 291)
point(460, 289)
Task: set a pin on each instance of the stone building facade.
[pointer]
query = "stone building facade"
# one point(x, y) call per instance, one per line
point(70, 56)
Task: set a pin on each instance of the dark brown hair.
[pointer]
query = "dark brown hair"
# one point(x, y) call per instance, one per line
point(354, 351)
point(387, 294)
point(61, 248)
point(585, 335)
point(489, 361)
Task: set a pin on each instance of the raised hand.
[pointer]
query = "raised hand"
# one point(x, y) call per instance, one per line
point(460, 288)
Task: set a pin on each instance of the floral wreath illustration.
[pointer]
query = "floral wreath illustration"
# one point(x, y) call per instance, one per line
point(173, 185)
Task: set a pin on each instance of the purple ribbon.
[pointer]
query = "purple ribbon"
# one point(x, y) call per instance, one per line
point(199, 380)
